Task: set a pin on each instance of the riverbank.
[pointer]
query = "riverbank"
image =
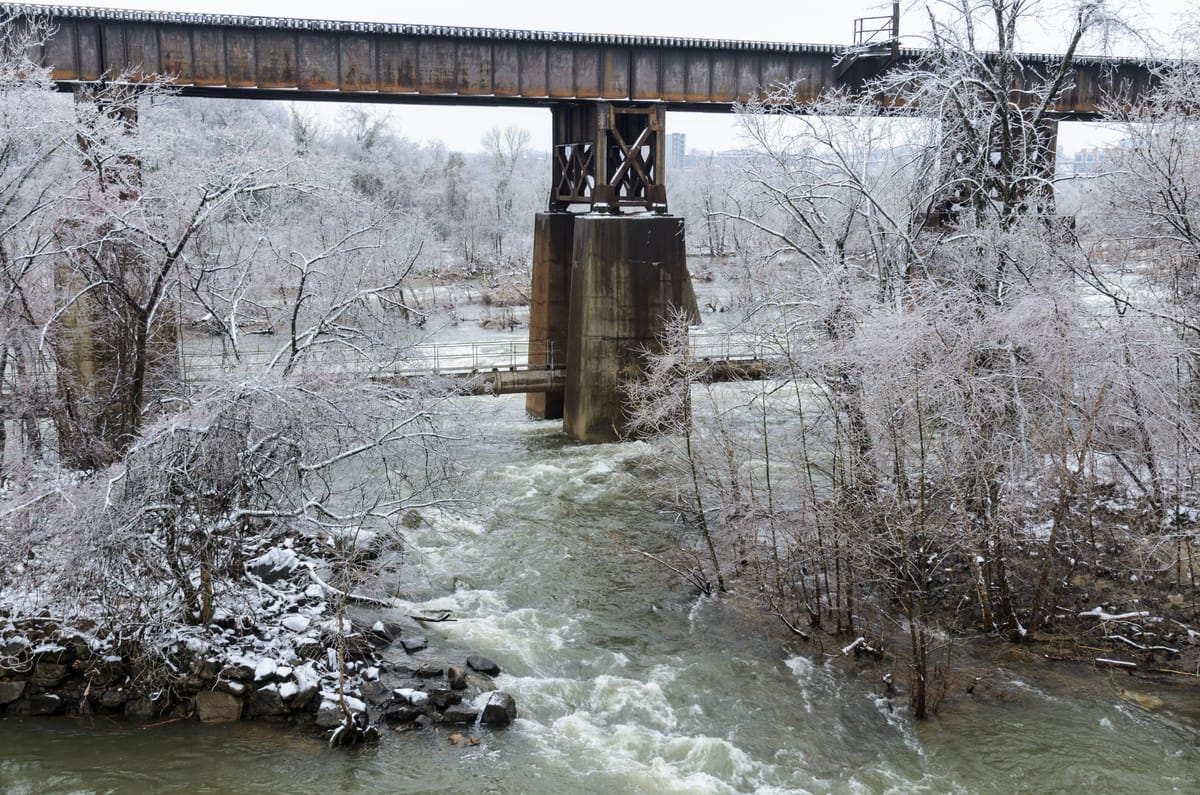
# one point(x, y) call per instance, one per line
point(1121, 602)
point(285, 646)
point(625, 682)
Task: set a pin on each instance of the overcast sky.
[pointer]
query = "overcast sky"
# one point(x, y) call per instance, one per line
point(817, 21)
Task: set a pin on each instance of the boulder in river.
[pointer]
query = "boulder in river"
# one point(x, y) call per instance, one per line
point(442, 699)
point(460, 713)
point(414, 644)
point(402, 713)
point(329, 715)
point(144, 708)
point(266, 702)
point(477, 662)
point(376, 693)
point(384, 632)
point(113, 698)
point(500, 709)
point(213, 706)
point(46, 704)
point(11, 691)
point(457, 678)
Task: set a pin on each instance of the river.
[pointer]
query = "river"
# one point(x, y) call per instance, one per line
point(628, 682)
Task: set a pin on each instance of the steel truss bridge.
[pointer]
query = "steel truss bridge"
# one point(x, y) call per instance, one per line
point(608, 93)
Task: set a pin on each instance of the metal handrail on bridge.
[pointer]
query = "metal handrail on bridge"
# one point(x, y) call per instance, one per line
point(878, 30)
point(474, 357)
point(450, 358)
point(445, 358)
point(726, 348)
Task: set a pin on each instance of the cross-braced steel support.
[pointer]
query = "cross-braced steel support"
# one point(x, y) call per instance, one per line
point(609, 156)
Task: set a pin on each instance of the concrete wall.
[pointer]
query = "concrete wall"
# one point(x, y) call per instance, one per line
point(628, 273)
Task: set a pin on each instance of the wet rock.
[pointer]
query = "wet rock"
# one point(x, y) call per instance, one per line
point(417, 698)
point(386, 631)
point(48, 674)
point(11, 691)
point(217, 707)
point(401, 713)
point(441, 698)
point(104, 672)
point(46, 704)
point(376, 692)
point(232, 688)
point(304, 696)
point(15, 647)
point(477, 662)
point(481, 682)
point(238, 673)
point(414, 644)
point(60, 655)
point(460, 713)
point(329, 716)
point(144, 708)
point(266, 702)
point(358, 647)
point(457, 678)
point(429, 671)
point(113, 698)
point(500, 709)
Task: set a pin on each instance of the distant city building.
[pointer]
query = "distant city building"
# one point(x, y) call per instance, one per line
point(676, 151)
point(1089, 160)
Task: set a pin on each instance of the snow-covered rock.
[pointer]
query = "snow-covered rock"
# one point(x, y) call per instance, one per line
point(275, 564)
point(296, 623)
point(265, 669)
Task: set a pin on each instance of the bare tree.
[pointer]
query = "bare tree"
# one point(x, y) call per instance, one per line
point(506, 149)
point(917, 272)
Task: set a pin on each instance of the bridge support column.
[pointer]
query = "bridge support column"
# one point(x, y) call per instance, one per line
point(553, 238)
point(627, 274)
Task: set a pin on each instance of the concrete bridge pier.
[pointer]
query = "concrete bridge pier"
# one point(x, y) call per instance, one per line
point(553, 241)
point(628, 272)
point(603, 281)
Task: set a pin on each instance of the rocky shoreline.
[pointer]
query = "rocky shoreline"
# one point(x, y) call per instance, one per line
point(62, 681)
point(299, 651)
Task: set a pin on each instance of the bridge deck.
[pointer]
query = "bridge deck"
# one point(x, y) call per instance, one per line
point(275, 58)
point(492, 367)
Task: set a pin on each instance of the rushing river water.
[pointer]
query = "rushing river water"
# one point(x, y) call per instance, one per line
point(626, 682)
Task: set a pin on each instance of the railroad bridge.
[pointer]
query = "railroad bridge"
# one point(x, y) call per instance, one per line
point(603, 277)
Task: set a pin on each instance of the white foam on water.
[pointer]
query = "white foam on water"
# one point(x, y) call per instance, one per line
point(640, 759)
point(519, 639)
point(803, 669)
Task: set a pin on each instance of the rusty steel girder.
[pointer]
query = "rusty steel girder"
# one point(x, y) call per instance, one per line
point(609, 156)
point(279, 58)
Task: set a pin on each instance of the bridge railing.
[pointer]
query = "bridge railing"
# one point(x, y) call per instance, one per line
point(727, 347)
point(200, 363)
point(870, 31)
point(470, 357)
point(446, 358)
